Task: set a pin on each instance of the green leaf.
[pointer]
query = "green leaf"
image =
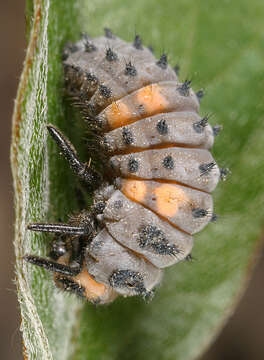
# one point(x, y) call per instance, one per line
point(219, 45)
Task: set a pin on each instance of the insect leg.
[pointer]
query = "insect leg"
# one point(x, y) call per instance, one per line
point(53, 265)
point(69, 285)
point(83, 170)
point(60, 228)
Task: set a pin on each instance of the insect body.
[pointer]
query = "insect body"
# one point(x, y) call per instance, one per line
point(154, 191)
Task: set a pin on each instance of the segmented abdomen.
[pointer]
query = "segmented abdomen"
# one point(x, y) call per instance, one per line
point(157, 143)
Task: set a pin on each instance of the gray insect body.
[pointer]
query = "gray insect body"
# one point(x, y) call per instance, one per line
point(153, 192)
point(166, 129)
point(176, 164)
point(126, 222)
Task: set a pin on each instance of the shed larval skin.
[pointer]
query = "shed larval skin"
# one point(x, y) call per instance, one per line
point(152, 192)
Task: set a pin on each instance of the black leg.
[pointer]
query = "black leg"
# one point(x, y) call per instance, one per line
point(70, 285)
point(53, 265)
point(83, 170)
point(60, 228)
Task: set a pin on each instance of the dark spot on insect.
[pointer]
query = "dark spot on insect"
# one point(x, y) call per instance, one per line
point(189, 257)
point(128, 279)
point(162, 127)
point(130, 69)
point(151, 236)
point(91, 78)
point(141, 109)
point(105, 91)
point(149, 295)
point(73, 69)
point(151, 49)
point(127, 136)
point(85, 36)
point(184, 88)
point(206, 168)
point(224, 172)
point(133, 165)
point(217, 129)
point(69, 49)
point(200, 125)
point(110, 55)
point(89, 46)
point(168, 162)
point(162, 62)
point(176, 69)
point(99, 207)
point(73, 48)
point(138, 43)
point(200, 95)
point(199, 213)
point(214, 217)
point(118, 204)
point(108, 33)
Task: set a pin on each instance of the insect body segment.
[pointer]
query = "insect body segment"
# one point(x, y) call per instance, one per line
point(153, 193)
point(161, 130)
point(150, 100)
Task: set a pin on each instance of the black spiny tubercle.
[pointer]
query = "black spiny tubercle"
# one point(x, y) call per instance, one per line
point(162, 127)
point(108, 33)
point(105, 91)
point(217, 129)
point(168, 162)
point(127, 136)
point(184, 89)
point(110, 55)
point(138, 43)
point(200, 125)
point(177, 69)
point(130, 69)
point(206, 168)
point(199, 213)
point(133, 165)
point(153, 237)
point(163, 62)
point(89, 46)
point(200, 94)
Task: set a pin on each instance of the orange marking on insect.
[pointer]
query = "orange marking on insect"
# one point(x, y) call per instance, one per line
point(152, 99)
point(134, 189)
point(169, 198)
point(93, 289)
point(118, 114)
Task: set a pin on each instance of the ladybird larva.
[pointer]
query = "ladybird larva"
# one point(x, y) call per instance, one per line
point(154, 191)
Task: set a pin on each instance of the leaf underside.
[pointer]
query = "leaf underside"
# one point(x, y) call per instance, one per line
point(220, 47)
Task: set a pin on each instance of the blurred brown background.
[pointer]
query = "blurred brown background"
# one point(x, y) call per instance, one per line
point(242, 338)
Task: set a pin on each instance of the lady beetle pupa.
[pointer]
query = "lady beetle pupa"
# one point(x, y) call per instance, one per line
point(154, 191)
